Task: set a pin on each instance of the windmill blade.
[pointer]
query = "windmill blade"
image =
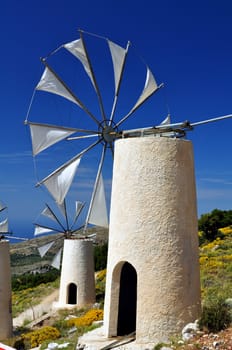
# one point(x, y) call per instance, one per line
point(49, 213)
point(59, 183)
point(44, 248)
point(118, 55)
point(56, 262)
point(149, 89)
point(55, 174)
point(18, 238)
point(51, 82)
point(98, 215)
point(93, 201)
point(79, 207)
point(44, 135)
point(40, 230)
point(79, 50)
point(4, 226)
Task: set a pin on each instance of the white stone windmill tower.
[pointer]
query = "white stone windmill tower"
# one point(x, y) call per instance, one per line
point(153, 286)
point(77, 283)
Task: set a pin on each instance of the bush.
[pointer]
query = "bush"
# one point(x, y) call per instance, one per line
point(37, 337)
point(216, 315)
point(87, 319)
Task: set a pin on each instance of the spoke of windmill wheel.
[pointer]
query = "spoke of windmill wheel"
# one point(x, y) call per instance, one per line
point(95, 185)
point(62, 167)
point(118, 55)
point(66, 214)
point(55, 217)
point(93, 77)
point(82, 137)
point(79, 208)
point(55, 126)
point(73, 97)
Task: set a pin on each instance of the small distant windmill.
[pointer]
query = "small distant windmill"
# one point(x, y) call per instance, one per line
point(77, 286)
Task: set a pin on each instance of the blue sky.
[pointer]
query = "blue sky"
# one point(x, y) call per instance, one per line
point(186, 44)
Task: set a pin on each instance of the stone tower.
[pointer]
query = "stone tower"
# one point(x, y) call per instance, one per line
point(77, 283)
point(153, 279)
point(6, 325)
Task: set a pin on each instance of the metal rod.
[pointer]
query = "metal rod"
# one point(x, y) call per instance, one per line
point(212, 120)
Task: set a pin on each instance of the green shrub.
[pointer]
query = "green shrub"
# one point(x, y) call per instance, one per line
point(215, 315)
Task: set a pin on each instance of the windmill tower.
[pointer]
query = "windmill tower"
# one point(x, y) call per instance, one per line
point(153, 286)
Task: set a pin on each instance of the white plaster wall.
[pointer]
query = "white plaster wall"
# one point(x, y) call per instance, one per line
point(6, 326)
point(153, 226)
point(78, 268)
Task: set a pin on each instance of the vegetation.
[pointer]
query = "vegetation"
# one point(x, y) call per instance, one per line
point(209, 224)
point(32, 280)
point(215, 236)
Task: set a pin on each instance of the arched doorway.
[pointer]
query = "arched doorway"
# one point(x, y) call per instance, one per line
point(127, 300)
point(72, 294)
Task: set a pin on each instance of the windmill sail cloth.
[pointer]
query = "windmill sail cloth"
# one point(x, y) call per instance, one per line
point(4, 226)
point(76, 47)
point(49, 214)
point(98, 215)
point(39, 230)
point(50, 83)
point(59, 183)
point(57, 260)
point(149, 88)
point(44, 248)
point(118, 55)
point(44, 136)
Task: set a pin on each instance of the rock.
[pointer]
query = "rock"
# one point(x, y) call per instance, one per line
point(190, 330)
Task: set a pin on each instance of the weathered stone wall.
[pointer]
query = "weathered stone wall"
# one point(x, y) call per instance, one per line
point(6, 327)
point(153, 226)
point(77, 268)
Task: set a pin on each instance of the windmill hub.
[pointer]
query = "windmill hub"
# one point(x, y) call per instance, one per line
point(108, 131)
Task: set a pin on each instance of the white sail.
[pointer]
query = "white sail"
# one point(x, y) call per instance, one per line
point(98, 215)
point(44, 136)
point(44, 248)
point(149, 88)
point(118, 54)
point(166, 121)
point(50, 83)
point(4, 226)
point(57, 260)
point(59, 183)
point(39, 230)
point(79, 206)
point(76, 47)
point(48, 213)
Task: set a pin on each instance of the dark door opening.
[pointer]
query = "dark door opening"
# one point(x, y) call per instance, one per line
point(127, 300)
point(72, 294)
